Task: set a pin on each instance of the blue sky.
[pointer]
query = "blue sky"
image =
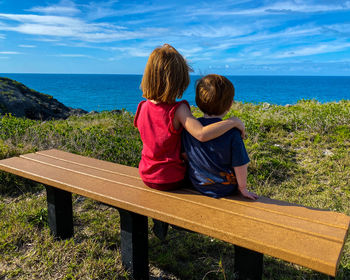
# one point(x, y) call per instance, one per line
point(226, 37)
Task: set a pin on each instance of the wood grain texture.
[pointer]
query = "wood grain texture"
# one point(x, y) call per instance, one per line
point(309, 237)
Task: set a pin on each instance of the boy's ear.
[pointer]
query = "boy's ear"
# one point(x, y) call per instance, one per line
point(231, 104)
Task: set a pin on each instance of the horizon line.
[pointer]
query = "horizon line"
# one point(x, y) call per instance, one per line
point(237, 75)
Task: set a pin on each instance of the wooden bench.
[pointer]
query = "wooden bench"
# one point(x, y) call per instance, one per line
point(308, 237)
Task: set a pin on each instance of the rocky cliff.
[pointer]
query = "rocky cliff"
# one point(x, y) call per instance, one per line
point(21, 101)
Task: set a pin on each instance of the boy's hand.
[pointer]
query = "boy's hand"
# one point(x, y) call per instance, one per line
point(240, 125)
point(248, 194)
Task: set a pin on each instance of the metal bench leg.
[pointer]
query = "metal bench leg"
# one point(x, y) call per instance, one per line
point(60, 212)
point(248, 264)
point(134, 243)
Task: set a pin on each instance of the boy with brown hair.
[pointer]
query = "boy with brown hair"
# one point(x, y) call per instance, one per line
point(217, 167)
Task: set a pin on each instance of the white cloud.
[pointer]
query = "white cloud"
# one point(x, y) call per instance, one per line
point(72, 55)
point(233, 59)
point(306, 7)
point(78, 29)
point(45, 39)
point(316, 49)
point(190, 51)
point(97, 9)
point(27, 46)
point(10, 52)
point(206, 31)
point(42, 19)
point(133, 51)
point(65, 7)
point(100, 10)
point(139, 9)
point(279, 7)
point(338, 29)
point(263, 39)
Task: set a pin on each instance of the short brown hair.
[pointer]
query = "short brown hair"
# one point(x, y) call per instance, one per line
point(166, 75)
point(214, 94)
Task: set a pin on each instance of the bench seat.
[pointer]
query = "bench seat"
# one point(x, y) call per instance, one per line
point(305, 236)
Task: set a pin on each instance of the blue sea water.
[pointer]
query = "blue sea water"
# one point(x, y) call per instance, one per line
point(108, 92)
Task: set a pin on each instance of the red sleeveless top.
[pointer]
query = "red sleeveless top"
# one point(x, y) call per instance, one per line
point(160, 159)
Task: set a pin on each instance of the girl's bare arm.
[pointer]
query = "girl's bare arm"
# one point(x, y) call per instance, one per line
point(184, 117)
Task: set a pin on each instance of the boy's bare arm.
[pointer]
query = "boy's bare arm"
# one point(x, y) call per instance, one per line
point(241, 176)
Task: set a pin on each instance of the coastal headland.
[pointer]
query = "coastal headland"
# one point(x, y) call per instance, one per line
point(21, 101)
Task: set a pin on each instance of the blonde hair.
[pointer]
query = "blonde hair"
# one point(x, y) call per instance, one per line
point(166, 75)
point(214, 94)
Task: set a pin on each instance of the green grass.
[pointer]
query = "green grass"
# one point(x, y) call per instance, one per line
point(298, 154)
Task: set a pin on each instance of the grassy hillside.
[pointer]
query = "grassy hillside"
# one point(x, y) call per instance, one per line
point(298, 154)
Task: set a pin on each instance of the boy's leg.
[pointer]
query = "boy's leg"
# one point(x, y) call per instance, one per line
point(160, 229)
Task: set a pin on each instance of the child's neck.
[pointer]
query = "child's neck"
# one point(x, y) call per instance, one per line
point(212, 116)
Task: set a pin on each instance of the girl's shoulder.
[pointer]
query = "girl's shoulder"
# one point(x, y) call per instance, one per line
point(177, 104)
point(138, 111)
point(184, 102)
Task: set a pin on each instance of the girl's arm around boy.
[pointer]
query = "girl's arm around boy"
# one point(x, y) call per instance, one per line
point(184, 117)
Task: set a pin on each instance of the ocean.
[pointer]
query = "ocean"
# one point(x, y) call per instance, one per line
point(93, 92)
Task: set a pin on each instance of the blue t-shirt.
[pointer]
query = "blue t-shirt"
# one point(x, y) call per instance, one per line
point(210, 164)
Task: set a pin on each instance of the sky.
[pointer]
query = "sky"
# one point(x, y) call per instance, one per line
point(242, 37)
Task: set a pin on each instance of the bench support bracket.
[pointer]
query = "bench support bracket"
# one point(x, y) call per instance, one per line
point(60, 212)
point(134, 243)
point(248, 264)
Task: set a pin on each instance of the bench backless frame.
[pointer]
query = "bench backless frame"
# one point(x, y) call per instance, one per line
point(309, 237)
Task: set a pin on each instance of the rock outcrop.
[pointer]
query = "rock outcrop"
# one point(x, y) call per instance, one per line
point(21, 101)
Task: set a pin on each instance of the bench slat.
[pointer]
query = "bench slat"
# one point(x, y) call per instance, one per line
point(181, 209)
point(92, 162)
